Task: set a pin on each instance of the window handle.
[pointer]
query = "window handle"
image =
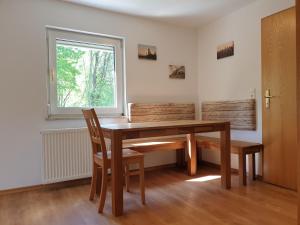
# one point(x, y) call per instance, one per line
point(51, 74)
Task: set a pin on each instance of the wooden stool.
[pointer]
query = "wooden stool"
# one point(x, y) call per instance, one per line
point(243, 152)
point(241, 148)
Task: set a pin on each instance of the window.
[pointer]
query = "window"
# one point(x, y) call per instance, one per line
point(85, 70)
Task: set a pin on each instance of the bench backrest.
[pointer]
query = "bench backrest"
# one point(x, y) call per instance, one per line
point(155, 112)
point(240, 113)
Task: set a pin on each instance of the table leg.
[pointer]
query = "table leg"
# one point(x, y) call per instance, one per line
point(192, 154)
point(225, 157)
point(117, 174)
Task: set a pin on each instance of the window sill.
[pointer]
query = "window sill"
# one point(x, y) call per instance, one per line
point(80, 117)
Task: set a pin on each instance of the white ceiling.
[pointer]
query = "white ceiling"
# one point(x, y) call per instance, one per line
point(192, 13)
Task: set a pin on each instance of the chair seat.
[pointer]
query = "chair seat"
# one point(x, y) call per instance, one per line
point(127, 153)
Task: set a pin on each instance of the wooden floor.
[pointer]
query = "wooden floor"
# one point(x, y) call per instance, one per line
point(170, 199)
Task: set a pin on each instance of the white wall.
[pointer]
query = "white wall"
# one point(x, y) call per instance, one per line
point(23, 72)
point(233, 77)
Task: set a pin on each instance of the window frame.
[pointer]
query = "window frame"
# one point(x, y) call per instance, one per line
point(56, 34)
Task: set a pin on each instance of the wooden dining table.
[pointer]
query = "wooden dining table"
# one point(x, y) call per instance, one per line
point(118, 132)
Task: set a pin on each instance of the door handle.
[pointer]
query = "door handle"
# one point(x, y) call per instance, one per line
point(268, 97)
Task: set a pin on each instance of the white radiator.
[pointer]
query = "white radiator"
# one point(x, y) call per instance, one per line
point(67, 155)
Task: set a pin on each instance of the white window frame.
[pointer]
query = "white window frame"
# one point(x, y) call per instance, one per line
point(54, 34)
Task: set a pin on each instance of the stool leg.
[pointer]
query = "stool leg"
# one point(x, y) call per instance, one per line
point(251, 162)
point(242, 169)
point(142, 180)
point(253, 167)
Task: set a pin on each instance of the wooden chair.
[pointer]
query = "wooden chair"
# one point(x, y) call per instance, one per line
point(102, 160)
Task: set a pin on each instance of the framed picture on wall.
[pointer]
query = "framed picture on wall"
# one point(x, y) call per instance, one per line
point(176, 72)
point(147, 52)
point(225, 50)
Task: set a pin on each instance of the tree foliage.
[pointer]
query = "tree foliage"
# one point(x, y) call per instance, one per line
point(67, 71)
point(100, 82)
point(85, 77)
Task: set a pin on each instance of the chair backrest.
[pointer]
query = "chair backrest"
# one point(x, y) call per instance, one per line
point(96, 135)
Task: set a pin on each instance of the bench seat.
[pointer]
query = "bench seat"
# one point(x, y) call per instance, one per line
point(146, 145)
point(155, 144)
point(241, 148)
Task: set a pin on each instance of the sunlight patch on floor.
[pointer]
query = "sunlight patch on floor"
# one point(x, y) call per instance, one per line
point(152, 143)
point(204, 179)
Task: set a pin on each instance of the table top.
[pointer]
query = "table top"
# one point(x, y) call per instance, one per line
point(161, 125)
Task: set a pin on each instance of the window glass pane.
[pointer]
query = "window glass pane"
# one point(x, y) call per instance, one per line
point(86, 75)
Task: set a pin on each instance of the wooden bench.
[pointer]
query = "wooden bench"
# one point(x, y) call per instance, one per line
point(242, 116)
point(241, 148)
point(149, 112)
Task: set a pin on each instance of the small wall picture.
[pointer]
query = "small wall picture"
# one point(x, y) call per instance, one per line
point(147, 52)
point(176, 72)
point(225, 50)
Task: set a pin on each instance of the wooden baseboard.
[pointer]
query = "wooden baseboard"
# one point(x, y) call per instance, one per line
point(69, 183)
point(21, 189)
point(47, 186)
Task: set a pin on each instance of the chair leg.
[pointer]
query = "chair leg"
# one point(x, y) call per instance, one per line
point(242, 169)
point(142, 180)
point(99, 181)
point(93, 182)
point(103, 190)
point(127, 177)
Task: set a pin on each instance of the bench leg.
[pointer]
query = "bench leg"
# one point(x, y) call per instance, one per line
point(242, 169)
point(199, 155)
point(180, 158)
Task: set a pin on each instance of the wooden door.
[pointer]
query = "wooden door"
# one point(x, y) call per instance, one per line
point(279, 91)
point(298, 91)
